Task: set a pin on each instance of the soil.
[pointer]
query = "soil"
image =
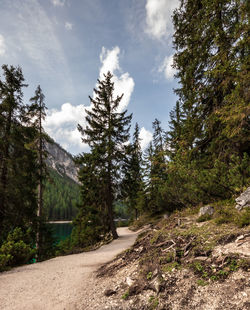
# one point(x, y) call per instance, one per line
point(188, 266)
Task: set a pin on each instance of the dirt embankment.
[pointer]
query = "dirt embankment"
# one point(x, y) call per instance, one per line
point(181, 264)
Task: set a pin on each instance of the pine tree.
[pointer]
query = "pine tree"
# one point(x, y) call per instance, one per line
point(38, 113)
point(155, 168)
point(18, 164)
point(131, 183)
point(106, 132)
point(174, 136)
point(211, 42)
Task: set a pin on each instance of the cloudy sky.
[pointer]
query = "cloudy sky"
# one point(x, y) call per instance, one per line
point(66, 45)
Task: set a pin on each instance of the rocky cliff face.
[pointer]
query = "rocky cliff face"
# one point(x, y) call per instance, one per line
point(61, 161)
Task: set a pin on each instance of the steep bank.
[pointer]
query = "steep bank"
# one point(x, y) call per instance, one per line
point(181, 263)
point(66, 282)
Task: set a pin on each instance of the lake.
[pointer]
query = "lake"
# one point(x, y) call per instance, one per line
point(61, 230)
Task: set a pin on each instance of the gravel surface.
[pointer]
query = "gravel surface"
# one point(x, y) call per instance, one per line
point(64, 282)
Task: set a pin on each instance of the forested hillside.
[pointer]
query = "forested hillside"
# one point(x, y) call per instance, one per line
point(61, 196)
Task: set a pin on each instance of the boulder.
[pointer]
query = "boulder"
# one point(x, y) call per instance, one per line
point(206, 210)
point(243, 200)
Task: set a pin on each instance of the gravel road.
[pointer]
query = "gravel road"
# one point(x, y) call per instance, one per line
point(61, 283)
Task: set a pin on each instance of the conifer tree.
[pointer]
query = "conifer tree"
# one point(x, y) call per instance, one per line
point(18, 164)
point(132, 172)
point(174, 134)
point(38, 113)
point(211, 42)
point(106, 132)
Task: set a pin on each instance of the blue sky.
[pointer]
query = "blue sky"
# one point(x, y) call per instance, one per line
point(66, 45)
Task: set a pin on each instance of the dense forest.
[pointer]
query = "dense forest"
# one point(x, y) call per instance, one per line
point(201, 156)
point(61, 197)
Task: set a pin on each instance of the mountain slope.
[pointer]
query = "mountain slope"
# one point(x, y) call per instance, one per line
point(61, 161)
point(62, 192)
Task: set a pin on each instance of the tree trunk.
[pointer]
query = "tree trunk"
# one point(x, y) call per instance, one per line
point(4, 174)
point(40, 185)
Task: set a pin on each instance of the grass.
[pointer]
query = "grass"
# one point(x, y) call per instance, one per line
point(125, 295)
point(201, 282)
point(204, 218)
point(153, 302)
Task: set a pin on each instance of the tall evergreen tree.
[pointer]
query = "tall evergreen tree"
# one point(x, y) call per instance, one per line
point(211, 42)
point(38, 113)
point(106, 132)
point(174, 134)
point(132, 172)
point(18, 164)
point(155, 168)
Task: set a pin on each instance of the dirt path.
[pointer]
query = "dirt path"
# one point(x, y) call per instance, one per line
point(63, 282)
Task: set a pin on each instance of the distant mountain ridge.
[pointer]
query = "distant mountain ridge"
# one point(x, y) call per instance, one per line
point(61, 161)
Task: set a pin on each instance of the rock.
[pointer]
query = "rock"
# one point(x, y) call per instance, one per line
point(166, 216)
point(201, 258)
point(129, 281)
point(158, 284)
point(241, 237)
point(243, 200)
point(61, 161)
point(207, 210)
point(109, 292)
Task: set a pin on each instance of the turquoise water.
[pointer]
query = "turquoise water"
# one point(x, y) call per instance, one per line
point(61, 230)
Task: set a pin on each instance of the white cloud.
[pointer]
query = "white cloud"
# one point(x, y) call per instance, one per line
point(167, 68)
point(2, 45)
point(58, 2)
point(145, 138)
point(123, 82)
point(61, 125)
point(68, 26)
point(158, 17)
point(34, 43)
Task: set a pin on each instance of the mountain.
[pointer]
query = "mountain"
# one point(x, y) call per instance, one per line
point(61, 161)
point(62, 191)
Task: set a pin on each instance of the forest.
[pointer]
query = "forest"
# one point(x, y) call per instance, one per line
point(61, 197)
point(201, 156)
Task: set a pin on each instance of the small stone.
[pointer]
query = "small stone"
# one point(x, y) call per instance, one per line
point(166, 216)
point(207, 210)
point(129, 281)
point(109, 292)
point(240, 238)
point(201, 258)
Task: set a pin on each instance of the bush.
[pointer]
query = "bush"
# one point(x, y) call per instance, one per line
point(244, 218)
point(14, 251)
point(204, 218)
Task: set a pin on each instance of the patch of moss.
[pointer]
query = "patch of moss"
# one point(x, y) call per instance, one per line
point(149, 275)
point(169, 267)
point(244, 218)
point(153, 302)
point(204, 218)
point(202, 282)
point(125, 295)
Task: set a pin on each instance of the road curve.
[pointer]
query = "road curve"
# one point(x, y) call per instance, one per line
point(59, 283)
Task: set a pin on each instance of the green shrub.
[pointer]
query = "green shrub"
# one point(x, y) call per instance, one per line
point(204, 218)
point(15, 251)
point(244, 218)
point(225, 215)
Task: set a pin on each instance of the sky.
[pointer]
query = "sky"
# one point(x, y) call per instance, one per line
point(66, 45)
